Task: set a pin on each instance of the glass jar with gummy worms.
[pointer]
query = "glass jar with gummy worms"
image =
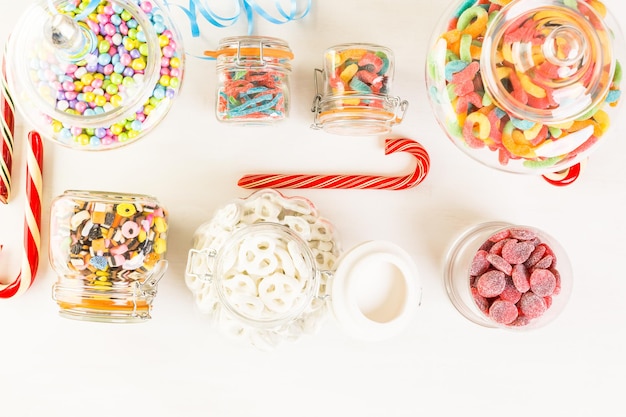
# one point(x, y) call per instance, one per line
point(355, 93)
point(109, 251)
point(508, 276)
point(527, 86)
point(268, 269)
point(96, 74)
point(252, 80)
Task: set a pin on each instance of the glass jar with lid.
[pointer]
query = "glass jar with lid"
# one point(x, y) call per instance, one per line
point(252, 80)
point(526, 86)
point(507, 276)
point(96, 74)
point(355, 96)
point(268, 268)
point(108, 250)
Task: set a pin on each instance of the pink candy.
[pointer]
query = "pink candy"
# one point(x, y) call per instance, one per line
point(513, 277)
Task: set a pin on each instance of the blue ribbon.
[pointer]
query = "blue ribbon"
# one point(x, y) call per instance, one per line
point(248, 8)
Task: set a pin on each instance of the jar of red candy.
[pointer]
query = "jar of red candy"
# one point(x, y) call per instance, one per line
point(253, 80)
point(355, 96)
point(109, 253)
point(94, 74)
point(508, 276)
point(268, 269)
point(526, 86)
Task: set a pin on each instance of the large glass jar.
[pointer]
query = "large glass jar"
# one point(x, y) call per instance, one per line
point(95, 74)
point(268, 269)
point(109, 251)
point(507, 276)
point(356, 91)
point(526, 86)
point(253, 80)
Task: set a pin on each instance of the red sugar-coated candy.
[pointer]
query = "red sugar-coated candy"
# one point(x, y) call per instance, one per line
point(521, 278)
point(499, 263)
point(548, 301)
point(536, 256)
point(510, 293)
point(480, 264)
point(491, 283)
point(523, 234)
point(520, 321)
point(545, 262)
point(481, 302)
point(515, 252)
point(503, 312)
point(557, 289)
point(532, 305)
point(497, 247)
point(500, 235)
point(542, 282)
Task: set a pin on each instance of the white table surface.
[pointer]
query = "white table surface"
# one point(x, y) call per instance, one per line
point(443, 365)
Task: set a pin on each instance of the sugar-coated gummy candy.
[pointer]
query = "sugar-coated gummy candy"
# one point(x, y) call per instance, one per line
point(491, 283)
point(513, 277)
point(503, 312)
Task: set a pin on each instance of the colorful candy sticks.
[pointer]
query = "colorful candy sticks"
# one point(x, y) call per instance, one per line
point(350, 181)
point(6, 145)
point(32, 221)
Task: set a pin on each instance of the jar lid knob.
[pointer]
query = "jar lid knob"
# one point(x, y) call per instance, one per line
point(72, 40)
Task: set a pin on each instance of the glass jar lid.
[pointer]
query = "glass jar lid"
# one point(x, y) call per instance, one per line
point(253, 50)
point(547, 45)
point(97, 74)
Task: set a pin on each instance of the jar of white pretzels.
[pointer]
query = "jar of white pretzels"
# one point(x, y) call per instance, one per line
point(268, 268)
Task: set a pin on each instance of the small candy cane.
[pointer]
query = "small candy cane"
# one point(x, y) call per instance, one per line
point(350, 181)
point(32, 221)
point(6, 145)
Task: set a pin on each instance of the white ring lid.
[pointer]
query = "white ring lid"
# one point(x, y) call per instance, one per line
point(375, 291)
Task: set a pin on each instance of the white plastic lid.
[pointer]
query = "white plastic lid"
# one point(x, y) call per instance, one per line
point(375, 291)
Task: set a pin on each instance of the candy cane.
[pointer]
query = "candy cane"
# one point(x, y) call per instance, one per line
point(350, 181)
point(6, 145)
point(32, 221)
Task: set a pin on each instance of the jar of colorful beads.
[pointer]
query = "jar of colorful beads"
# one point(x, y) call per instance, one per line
point(526, 86)
point(507, 276)
point(109, 251)
point(252, 80)
point(268, 269)
point(97, 74)
point(355, 94)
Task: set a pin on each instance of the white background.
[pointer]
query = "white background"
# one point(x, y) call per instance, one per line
point(443, 365)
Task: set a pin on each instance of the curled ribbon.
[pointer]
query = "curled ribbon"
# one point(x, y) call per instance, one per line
point(350, 181)
point(248, 8)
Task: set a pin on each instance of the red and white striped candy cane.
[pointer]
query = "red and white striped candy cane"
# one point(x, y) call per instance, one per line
point(350, 181)
point(32, 220)
point(7, 125)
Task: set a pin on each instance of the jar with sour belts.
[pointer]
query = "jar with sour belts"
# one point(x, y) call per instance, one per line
point(508, 276)
point(355, 96)
point(268, 268)
point(252, 80)
point(109, 251)
point(527, 86)
point(94, 74)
